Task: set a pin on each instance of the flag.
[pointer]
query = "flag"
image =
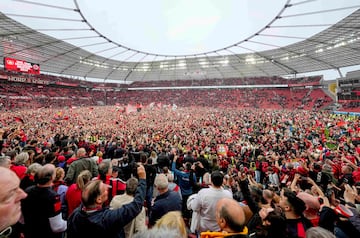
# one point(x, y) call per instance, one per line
point(159, 105)
point(222, 149)
point(130, 109)
point(18, 119)
point(57, 117)
point(341, 123)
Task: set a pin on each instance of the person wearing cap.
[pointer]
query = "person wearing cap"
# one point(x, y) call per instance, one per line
point(205, 202)
point(10, 200)
point(61, 161)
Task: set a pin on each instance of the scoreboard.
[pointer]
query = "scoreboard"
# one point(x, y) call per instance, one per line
point(21, 66)
point(349, 90)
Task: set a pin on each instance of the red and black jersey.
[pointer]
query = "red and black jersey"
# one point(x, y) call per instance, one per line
point(40, 205)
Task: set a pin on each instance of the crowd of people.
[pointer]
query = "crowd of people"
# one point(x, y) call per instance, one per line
point(24, 91)
point(179, 172)
point(22, 96)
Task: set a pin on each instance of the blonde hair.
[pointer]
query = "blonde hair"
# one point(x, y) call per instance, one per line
point(83, 178)
point(153, 154)
point(206, 178)
point(174, 221)
point(58, 173)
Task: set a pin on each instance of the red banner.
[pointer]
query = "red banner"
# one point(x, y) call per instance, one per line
point(21, 66)
point(21, 79)
point(67, 84)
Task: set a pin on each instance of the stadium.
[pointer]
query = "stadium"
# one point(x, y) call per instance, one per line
point(275, 107)
point(277, 72)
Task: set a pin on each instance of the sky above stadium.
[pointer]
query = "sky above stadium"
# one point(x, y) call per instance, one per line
point(181, 27)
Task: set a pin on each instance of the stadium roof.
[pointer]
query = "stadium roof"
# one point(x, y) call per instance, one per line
point(336, 46)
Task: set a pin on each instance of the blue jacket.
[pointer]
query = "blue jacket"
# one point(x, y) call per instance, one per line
point(164, 203)
point(105, 222)
point(183, 180)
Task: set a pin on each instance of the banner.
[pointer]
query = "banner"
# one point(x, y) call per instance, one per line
point(130, 109)
point(67, 84)
point(21, 79)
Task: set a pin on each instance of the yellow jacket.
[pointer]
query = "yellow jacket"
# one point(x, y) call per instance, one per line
point(221, 234)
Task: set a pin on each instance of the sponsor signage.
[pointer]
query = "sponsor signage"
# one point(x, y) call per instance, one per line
point(304, 84)
point(67, 84)
point(21, 66)
point(20, 79)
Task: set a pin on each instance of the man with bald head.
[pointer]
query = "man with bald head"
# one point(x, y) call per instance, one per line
point(10, 196)
point(81, 163)
point(230, 217)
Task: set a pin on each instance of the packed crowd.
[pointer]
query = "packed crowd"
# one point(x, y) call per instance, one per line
point(179, 172)
point(23, 91)
point(15, 96)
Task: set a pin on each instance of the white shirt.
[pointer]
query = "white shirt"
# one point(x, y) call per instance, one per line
point(205, 205)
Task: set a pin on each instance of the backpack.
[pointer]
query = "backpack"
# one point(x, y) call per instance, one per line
point(116, 187)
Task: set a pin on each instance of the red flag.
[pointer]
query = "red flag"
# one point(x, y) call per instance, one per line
point(18, 119)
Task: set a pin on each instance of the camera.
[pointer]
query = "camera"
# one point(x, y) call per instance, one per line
point(328, 193)
point(133, 170)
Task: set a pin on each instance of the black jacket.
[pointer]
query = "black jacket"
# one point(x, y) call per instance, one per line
point(105, 222)
point(164, 203)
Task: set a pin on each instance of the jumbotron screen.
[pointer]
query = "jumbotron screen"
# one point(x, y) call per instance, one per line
point(21, 66)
